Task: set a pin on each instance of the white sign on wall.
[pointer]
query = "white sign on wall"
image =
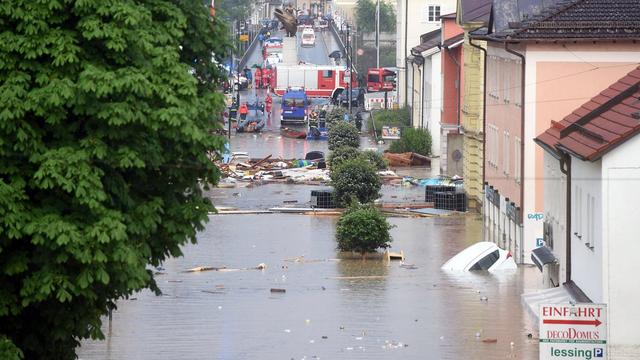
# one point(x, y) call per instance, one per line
point(573, 331)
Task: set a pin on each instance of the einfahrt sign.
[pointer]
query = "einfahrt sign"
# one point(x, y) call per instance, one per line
point(573, 331)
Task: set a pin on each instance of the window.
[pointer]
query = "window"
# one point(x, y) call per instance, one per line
point(486, 262)
point(327, 74)
point(517, 84)
point(493, 77)
point(506, 149)
point(506, 79)
point(578, 212)
point(591, 209)
point(432, 13)
point(518, 159)
point(492, 145)
point(374, 78)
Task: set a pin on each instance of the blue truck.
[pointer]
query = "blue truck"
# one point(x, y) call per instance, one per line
point(294, 107)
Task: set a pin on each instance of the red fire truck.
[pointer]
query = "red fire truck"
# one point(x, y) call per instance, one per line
point(381, 79)
point(317, 80)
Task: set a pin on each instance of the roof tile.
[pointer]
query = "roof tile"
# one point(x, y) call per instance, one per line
point(600, 124)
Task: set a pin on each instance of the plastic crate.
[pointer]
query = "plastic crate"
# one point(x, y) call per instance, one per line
point(430, 190)
point(450, 201)
point(322, 199)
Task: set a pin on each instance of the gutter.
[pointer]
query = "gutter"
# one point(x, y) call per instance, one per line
point(522, 139)
point(484, 110)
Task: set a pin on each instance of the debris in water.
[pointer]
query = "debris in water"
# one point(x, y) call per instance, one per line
point(174, 281)
point(325, 337)
point(219, 307)
point(359, 338)
point(512, 344)
point(441, 337)
point(307, 321)
point(484, 298)
point(276, 290)
point(287, 330)
point(341, 327)
point(311, 341)
point(489, 341)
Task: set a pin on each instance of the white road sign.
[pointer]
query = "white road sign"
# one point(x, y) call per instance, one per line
point(573, 331)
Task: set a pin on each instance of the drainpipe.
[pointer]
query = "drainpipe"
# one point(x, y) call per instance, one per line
point(522, 140)
point(422, 98)
point(484, 111)
point(565, 168)
point(457, 86)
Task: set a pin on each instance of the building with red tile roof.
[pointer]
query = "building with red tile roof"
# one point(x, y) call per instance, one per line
point(592, 192)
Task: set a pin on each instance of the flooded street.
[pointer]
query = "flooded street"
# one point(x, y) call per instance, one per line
point(401, 313)
point(326, 305)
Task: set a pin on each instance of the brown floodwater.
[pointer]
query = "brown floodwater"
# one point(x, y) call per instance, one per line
point(390, 312)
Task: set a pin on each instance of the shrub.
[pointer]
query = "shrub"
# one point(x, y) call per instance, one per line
point(375, 159)
point(363, 228)
point(400, 117)
point(355, 179)
point(413, 140)
point(343, 134)
point(335, 115)
point(341, 154)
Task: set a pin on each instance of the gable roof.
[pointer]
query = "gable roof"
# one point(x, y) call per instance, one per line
point(578, 20)
point(474, 11)
point(599, 125)
point(428, 41)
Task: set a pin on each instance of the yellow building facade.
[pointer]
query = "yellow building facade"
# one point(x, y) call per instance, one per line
point(471, 119)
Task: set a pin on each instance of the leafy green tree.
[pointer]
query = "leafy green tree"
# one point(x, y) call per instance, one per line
point(106, 112)
point(366, 15)
point(375, 158)
point(355, 179)
point(233, 9)
point(413, 140)
point(343, 133)
point(342, 154)
point(363, 228)
point(335, 115)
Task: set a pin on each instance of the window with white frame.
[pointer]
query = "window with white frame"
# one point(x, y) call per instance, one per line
point(505, 159)
point(517, 88)
point(506, 81)
point(432, 13)
point(492, 75)
point(590, 240)
point(493, 143)
point(578, 212)
point(518, 159)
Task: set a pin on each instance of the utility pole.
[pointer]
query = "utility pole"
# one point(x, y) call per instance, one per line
point(237, 40)
point(349, 61)
point(378, 34)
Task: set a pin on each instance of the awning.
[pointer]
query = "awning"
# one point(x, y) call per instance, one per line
point(556, 295)
point(542, 256)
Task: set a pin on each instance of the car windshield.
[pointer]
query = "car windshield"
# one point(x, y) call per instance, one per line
point(390, 78)
point(308, 36)
point(374, 78)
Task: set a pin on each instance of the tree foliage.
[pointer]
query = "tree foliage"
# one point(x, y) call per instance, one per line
point(106, 109)
point(342, 154)
point(413, 140)
point(366, 16)
point(343, 133)
point(363, 228)
point(375, 158)
point(335, 115)
point(355, 179)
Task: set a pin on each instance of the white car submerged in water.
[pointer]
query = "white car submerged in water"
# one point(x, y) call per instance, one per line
point(481, 256)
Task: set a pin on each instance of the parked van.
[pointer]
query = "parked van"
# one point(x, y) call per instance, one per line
point(294, 106)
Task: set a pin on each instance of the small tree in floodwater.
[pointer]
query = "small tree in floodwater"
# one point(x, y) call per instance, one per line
point(363, 228)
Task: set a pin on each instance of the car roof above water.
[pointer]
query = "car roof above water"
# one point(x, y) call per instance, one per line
point(470, 255)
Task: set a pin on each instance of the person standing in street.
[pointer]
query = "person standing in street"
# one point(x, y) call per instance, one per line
point(258, 77)
point(266, 77)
